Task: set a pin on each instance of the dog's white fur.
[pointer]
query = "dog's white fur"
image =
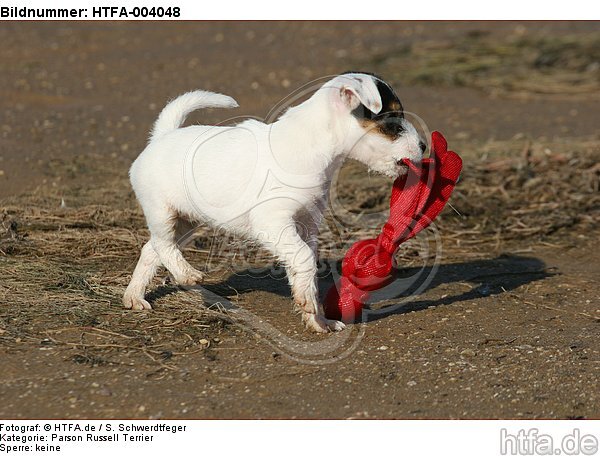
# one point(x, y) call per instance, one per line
point(268, 182)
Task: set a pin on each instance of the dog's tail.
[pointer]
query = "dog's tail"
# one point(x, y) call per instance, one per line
point(173, 115)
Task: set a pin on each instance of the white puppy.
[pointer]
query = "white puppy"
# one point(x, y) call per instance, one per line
point(268, 182)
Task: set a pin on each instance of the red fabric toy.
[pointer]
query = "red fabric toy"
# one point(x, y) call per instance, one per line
point(417, 198)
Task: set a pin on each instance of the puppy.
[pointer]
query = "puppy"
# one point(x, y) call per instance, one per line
point(267, 182)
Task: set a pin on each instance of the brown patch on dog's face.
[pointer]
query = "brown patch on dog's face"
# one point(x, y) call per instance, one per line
point(388, 122)
point(376, 127)
point(395, 105)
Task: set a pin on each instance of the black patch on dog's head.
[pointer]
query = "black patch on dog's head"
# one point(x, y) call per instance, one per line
point(387, 122)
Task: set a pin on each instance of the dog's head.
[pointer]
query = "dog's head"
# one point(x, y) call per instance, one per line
point(376, 132)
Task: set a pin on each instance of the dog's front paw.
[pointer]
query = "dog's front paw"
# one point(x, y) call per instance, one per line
point(136, 303)
point(191, 278)
point(320, 324)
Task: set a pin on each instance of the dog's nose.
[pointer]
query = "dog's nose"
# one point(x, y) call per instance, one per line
point(422, 146)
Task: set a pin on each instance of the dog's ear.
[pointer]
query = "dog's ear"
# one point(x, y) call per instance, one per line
point(355, 89)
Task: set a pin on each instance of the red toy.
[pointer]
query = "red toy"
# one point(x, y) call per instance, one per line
point(417, 198)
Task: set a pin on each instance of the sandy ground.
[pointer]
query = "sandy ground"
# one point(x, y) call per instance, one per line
point(508, 328)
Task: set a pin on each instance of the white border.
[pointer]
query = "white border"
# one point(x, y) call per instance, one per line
point(302, 438)
point(348, 9)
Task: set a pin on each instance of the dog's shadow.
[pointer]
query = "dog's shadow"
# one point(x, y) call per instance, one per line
point(474, 279)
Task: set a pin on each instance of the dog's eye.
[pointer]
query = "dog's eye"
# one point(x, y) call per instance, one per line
point(391, 127)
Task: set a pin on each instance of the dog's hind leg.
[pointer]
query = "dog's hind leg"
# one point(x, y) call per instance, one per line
point(141, 278)
point(184, 235)
point(184, 232)
point(164, 239)
point(147, 266)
